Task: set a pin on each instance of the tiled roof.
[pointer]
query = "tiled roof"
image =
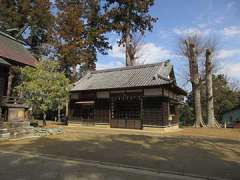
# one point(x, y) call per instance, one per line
point(12, 49)
point(127, 77)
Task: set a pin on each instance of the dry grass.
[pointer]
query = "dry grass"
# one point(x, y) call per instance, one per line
point(233, 134)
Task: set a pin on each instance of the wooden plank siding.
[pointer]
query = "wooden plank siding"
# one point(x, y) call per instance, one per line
point(101, 111)
point(3, 80)
point(124, 109)
point(155, 111)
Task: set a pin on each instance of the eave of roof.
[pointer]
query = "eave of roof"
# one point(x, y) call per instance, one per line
point(13, 49)
point(3, 62)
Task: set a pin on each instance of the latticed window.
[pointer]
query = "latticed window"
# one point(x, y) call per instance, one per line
point(126, 107)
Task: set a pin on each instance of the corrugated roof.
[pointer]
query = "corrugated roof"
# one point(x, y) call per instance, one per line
point(11, 49)
point(133, 76)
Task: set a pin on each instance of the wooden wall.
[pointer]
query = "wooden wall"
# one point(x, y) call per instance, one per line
point(3, 80)
point(154, 109)
point(101, 111)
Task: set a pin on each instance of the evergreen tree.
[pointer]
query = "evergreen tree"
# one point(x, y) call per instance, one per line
point(13, 14)
point(225, 98)
point(70, 35)
point(44, 88)
point(127, 17)
point(80, 33)
point(31, 18)
point(95, 30)
point(40, 23)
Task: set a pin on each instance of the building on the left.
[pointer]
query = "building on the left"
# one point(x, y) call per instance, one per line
point(12, 53)
point(12, 111)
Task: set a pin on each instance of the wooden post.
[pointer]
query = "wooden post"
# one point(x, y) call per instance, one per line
point(67, 112)
point(10, 78)
point(141, 111)
point(109, 110)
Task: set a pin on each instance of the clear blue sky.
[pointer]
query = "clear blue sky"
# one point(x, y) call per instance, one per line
point(211, 18)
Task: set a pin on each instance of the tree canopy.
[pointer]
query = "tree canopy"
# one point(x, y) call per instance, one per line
point(80, 34)
point(75, 30)
point(29, 20)
point(44, 88)
point(129, 17)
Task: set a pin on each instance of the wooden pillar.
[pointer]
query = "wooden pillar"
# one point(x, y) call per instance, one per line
point(67, 108)
point(165, 112)
point(109, 110)
point(141, 110)
point(10, 78)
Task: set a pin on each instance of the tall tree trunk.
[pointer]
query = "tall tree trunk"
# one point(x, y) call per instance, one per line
point(44, 119)
point(129, 61)
point(209, 90)
point(197, 106)
point(74, 72)
point(67, 111)
point(59, 114)
point(128, 43)
point(195, 80)
point(10, 78)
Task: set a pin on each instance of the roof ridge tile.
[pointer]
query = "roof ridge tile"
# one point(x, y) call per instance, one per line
point(130, 67)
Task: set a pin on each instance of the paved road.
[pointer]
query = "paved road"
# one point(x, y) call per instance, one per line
point(26, 165)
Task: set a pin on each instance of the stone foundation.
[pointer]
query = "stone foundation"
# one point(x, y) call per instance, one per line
point(166, 129)
point(13, 119)
point(16, 129)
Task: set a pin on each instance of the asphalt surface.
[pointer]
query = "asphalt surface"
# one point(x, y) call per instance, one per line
point(29, 166)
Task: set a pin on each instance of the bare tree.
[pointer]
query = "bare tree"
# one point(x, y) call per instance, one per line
point(192, 47)
point(128, 48)
point(134, 45)
point(210, 66)
point(209, 90)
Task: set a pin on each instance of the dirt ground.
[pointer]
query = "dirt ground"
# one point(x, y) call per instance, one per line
point(201, 152)
point(231, 134)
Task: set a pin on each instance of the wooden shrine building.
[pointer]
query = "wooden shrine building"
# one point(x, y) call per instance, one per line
point(130, 97)
point(12, 53)
point(12, 109)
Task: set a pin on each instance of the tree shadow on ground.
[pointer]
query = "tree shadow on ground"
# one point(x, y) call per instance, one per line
point(200, 156)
